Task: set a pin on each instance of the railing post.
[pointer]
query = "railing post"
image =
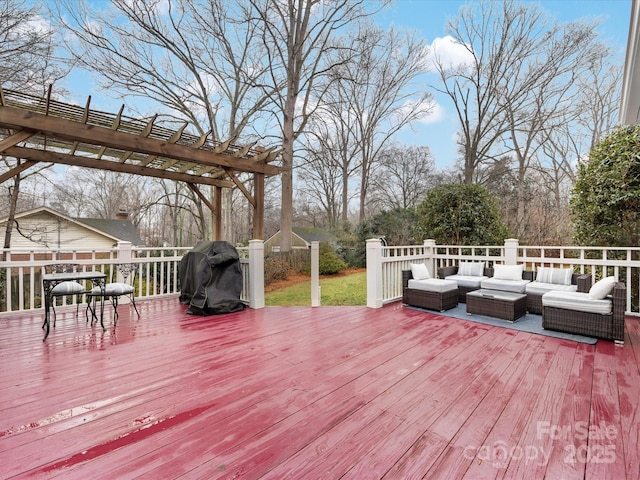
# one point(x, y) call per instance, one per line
point(256, 274)
point(511, 251)
point(374, 273)
point(315, 274)
point(124, 256)
point(430, 262)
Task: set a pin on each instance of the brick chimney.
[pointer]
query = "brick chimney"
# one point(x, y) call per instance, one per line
point(122, 214)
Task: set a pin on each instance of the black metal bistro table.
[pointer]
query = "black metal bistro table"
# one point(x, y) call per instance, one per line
point(50, 280)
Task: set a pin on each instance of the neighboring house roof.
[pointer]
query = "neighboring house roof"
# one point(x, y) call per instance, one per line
point(114, 230)
point(120, 229)
point(302, 237)
point(314, 234)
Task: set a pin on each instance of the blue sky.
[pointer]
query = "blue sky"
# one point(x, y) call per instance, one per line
point(429, 18)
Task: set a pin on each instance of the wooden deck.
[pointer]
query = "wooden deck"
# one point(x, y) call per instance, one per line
point(312, 393)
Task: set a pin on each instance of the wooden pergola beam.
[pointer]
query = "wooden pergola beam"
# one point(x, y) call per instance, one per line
point(79, 161)
point(13, 140)
point(16, 170)
point(94, 135)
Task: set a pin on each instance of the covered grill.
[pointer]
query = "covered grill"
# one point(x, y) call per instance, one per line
point(211, 279)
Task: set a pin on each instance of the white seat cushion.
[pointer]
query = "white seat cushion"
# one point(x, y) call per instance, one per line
point(433, 285)
point(516, 286)
point(67, 288)
point(578, 301)
point(468, 281)
point(114, 289)
point(540, 288)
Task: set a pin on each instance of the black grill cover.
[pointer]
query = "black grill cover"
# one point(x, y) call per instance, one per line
point(211, 279)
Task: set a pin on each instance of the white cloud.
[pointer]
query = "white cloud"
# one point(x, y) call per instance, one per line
point(436, 115)
point(449, 53)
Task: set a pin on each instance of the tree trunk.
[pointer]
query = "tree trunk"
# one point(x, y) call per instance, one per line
point(12, 212)
point(286, 212)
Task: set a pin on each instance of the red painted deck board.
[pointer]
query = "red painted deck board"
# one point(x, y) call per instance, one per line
point(329, 392)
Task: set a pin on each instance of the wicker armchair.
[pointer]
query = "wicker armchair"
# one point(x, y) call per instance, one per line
point(609, 327)
point(534, 300)
point(443, 272)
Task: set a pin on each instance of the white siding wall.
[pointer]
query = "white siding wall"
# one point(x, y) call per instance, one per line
point(53, 233)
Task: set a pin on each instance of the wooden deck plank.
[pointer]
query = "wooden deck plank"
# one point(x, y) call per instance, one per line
point(163, 402)
point(282, 374)
point(524, 463)
point(473, 428)
point(330, 392)
point(435, 400)
point(347, 393)
point(628, 378)
point(489, 458)
point(575, 410)
point(602, 450)
point(392, 400)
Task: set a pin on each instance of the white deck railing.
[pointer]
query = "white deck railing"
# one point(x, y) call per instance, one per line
point(157, 272)
point(385, 264)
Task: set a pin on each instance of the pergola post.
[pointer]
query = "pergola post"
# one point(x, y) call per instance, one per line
point(217, 213)
point(258, 209)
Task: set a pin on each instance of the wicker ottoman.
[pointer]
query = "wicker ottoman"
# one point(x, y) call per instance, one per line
point(432, 294)
point(495, 303)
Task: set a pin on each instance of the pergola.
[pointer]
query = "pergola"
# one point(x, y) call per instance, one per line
point(42, 130)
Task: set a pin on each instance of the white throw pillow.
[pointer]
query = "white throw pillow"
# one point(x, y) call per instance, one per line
point(419, 271)
point(508, 272)
point(471, 269)
point(602, 288)
point(557, 276)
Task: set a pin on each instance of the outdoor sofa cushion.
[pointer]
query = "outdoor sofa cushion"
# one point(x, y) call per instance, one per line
point(433, 285)
point(553, 275)
point(468, 275)
point(471, 269)
point(540, 288)
point(577, 301)
point(602, 288)
point(507, 278)
point(516, 286)
point(508, 272)
point(468, 281)
point(419, 271)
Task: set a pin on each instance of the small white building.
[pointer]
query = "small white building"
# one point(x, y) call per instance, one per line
point(44, 228)
point(301, 238)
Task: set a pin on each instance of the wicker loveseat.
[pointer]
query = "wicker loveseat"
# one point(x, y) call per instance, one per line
point(609, 326)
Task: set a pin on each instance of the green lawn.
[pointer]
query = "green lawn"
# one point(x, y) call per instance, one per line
point(348, 290)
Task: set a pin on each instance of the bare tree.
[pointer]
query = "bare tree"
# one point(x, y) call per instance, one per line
point(103, 194)
point(559, 58)
point(502, 39)
point(27, 63)
point(300, 43)
point(371, 96)
point(200, 59)
point(330, 159)
point(404, 176)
